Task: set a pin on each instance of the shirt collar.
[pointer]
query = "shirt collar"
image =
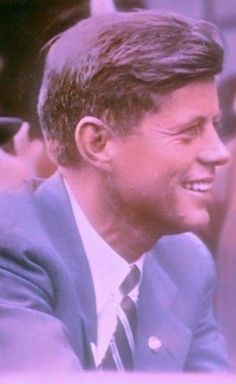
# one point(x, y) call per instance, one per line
point(107, 267)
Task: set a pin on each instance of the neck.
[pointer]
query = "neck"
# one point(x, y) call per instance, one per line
point(125, 233)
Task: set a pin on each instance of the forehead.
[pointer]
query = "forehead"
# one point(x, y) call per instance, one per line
point(196, 101)
point(199, 96)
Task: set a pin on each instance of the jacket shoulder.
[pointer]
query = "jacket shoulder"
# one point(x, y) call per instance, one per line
point(185, 257)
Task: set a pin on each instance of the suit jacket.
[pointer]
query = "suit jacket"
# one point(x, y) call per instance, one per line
point(47, 302)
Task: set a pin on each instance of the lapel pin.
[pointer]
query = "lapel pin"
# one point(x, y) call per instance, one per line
point(154, 343)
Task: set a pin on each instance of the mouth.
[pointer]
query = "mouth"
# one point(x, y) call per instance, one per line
point(201, 186)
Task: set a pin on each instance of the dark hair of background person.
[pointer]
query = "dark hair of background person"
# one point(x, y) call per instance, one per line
point(25, 26)
point(227, 96)
point(99, 77)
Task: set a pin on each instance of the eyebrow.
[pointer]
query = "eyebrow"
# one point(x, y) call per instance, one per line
point(198, 120)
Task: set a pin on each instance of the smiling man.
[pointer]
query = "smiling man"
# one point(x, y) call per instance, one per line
point(129, 110)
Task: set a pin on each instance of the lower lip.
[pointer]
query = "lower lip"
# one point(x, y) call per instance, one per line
point(206, 195)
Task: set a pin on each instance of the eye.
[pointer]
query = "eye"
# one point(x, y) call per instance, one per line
point(191, 132)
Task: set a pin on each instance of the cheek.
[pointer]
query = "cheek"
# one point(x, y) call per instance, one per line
point(133, 161)
point(148, 164)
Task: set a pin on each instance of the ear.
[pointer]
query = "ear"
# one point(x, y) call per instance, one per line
point(93, 139)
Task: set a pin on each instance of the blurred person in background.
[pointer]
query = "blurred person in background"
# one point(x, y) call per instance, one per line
point(21, 157)
point(223, 189)
point(222, 228)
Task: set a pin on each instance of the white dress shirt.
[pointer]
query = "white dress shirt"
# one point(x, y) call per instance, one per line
point(108, 270)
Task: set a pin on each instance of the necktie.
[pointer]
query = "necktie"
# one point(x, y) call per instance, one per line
point(119, 355)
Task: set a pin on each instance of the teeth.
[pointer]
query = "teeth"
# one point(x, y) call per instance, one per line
point(198, 186)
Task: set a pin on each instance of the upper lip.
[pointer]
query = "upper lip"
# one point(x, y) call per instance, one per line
point(208, 179)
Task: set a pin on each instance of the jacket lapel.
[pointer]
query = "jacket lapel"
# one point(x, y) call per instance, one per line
point(58, 220)
point(162, 339)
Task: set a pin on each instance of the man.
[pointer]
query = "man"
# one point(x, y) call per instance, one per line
point(129, 110)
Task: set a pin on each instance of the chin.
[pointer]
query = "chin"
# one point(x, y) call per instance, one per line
point(195, 223)
point(198, 224)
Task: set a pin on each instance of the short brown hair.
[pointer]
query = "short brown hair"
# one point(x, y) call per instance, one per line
point(114, 67)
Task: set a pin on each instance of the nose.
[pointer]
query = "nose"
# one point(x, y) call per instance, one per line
point(214, 151)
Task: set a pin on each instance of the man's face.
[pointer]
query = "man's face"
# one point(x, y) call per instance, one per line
point(163, 173)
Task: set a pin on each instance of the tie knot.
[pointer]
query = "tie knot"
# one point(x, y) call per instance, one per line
point(130, 281)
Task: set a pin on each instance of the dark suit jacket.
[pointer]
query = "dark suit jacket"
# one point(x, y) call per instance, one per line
point(47, 301)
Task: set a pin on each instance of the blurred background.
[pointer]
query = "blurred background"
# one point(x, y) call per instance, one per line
point(221, 12)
